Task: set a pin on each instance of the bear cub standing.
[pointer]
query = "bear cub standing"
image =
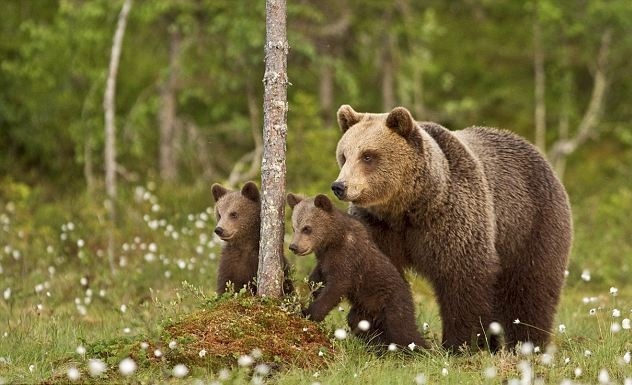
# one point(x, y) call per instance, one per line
point(238, 220)
point(350, 265)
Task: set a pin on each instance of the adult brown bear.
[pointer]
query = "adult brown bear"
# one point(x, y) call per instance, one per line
point(478, 212)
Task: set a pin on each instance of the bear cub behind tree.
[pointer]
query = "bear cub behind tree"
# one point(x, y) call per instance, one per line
point(238, 220)
point(350, 265)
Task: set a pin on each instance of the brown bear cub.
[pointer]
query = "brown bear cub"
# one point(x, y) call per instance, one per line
point(479, 212)
point(350, 265)
point(238, 220)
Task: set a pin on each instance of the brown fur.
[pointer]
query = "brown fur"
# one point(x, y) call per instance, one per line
point(478, 212)
point(350, 265)
point(238, 221)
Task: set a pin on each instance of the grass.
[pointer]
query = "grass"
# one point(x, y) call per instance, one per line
point(60, 306)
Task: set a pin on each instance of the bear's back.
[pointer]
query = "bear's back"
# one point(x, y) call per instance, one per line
point(523, 186)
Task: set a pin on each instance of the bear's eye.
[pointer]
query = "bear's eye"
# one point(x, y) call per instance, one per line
point(219, 216)
point(342, 159)
point(306, 230)
point(233, 215)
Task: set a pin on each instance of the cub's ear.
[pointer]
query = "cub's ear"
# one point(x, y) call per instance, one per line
point(401, 121)
point(250, 191)
point(293, 200)
point(322, 202)
point(347, 117)
point(218, 191)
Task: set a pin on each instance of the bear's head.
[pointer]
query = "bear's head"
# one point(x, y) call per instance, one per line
point(237, 212)
point(313, 223)
point(377, 154)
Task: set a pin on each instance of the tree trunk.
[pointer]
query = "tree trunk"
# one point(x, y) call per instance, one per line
point(539, 75)
point(270, 274)
point(388, 73)
point(110, 128)
point(167, 114)
point(566, 146)
point(237, 175)
point(326, 91)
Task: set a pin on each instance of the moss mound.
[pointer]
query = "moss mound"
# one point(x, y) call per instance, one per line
point(247, 325)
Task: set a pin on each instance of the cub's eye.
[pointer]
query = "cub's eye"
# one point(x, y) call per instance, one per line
point(367, 158)
point(233, 215)
point(219, 216)
point(306, 230)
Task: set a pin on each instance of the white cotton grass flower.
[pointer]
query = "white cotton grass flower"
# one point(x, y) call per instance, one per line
point(603, 377)
point(444, 372)
point(96, 367)
point(516, 321)
point(245, 360)
point(127, 367)
point(616, 313)
point(586, 275)
point(262, 369)
point(420, 379)
point(80, 243)
point(495, 328)
point(73, 373)
point(546, 359)
point(157, 353)
point(526, 348)
point(144, 345)
point(123, 308)
point(81, 350)
point(180, 371)
point(615, 327)
point(627, 381)
point(202, 353)
point(31, 368)
point(412, 346)
point(627, 357)
point(425, 326)
point(625, 324)
point(587, 353)
point(490, 372)
point(340, 334)
point(614, 291)
point(392, 347)
point(592, 311)
point(578, 372)
point(562, 328)
point(364, 325)
point(7, 293)
point(173, 345)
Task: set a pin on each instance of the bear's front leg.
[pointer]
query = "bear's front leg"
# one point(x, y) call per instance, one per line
point(328, 298)
point(315, 278)
point(466, 311)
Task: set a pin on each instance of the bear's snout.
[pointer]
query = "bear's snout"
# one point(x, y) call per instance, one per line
point(339, 189)
point(219, 231)
point(294, 248)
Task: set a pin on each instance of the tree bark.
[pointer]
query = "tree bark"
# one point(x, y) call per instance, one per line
point(388, 73)
point(566, 146)
point(110, 128)
point(270, 274)
point(167, 114)
point(540, 84)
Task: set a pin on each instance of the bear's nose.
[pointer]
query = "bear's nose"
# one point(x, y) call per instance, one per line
point(294, 248)
point(339, 189)
point(219, 231)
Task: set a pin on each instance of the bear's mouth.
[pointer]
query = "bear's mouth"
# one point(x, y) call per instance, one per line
point(226, 238)
point(303, 253)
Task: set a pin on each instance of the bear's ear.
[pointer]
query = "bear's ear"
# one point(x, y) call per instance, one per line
point(250, 191)
point(322, 202)
point(401, 121)
point(218, 191)
point(293, 200)
point(347, 117)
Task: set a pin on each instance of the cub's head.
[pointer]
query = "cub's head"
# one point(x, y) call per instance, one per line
point(237, 212)
point(377, 155)
point(313, 223)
